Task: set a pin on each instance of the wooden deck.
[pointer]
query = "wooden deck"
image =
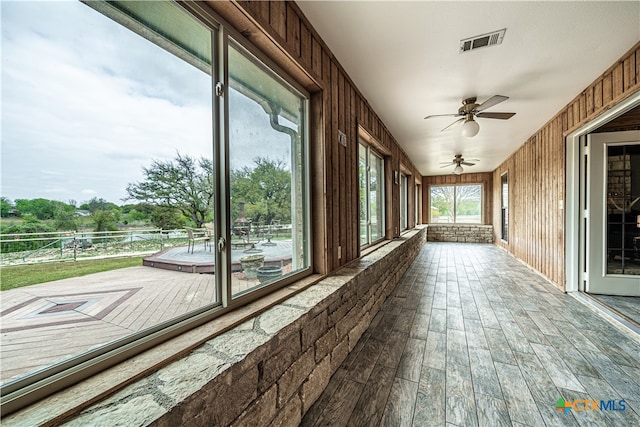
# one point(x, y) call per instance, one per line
point(50, 322)
point(201, 260)
point(471, 337)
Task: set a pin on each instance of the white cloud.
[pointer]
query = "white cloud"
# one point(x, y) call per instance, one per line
point(87, 103)
point(74, 103)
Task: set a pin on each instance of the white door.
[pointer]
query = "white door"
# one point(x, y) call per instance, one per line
point(613, 213)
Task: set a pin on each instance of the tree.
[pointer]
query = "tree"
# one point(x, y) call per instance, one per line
point(64, 217)
point(185, 183)
point(105, 220)
point(40, 208)
point(265, 189)
point(167, 218)
point(96, 204)
point(5, 207)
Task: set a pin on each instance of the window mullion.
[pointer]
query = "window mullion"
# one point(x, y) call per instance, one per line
point(223, 257)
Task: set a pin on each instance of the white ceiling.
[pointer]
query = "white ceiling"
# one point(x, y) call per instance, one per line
point(403, 57)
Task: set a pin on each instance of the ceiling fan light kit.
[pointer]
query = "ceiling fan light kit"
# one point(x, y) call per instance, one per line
point(471, 109)
point(470, 128)
point(458, 161)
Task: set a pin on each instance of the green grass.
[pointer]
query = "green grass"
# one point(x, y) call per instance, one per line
point(26, 275)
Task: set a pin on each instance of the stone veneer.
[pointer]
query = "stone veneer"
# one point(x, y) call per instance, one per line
point(470, 233)
point(270, 369)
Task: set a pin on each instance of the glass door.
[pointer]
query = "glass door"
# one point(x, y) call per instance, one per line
point(613, 230)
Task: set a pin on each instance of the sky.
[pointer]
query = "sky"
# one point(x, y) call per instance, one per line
point(86, 103)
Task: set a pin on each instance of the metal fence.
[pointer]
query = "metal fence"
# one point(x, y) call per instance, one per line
point(30, 248)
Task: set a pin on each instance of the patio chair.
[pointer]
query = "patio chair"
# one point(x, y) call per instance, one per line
point(197, 235)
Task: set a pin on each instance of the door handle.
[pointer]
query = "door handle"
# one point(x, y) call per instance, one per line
point(222, 243)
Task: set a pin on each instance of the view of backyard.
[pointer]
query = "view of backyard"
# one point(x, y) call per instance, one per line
point(113, 226)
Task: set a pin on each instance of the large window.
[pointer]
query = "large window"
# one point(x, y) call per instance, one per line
point(456, 204)
point(371, 174)
point(155, 122)
point(268, 173)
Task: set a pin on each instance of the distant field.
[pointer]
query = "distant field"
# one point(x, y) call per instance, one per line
point(25, 275)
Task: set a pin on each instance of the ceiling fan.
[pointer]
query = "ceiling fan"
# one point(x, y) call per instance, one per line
point(470, 109)
point(458, 161)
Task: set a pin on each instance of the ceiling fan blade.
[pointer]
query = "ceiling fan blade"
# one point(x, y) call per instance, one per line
point(467, 163)
point(501, 116)
point(452, 124)
point(441, 115)
point(495, 99)
point(447, 165)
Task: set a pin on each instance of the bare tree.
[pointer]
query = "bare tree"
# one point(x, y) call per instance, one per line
point(184, 183)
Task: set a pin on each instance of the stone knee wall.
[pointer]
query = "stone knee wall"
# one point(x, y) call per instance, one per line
point(269, 370)
point(470, 233)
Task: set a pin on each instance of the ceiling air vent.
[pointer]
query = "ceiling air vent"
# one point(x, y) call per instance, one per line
point(490, 39)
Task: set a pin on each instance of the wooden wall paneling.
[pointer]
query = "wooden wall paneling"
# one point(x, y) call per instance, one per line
point(545, 177)
point(637, 66)
point(278, 18)
point(629, 72)
point(260, 10)
point(293, 31)
point(583, 106)
point(607, 88)
point(524, 219)
point(552, 204)
point(316, 57)
point(547, 185)
point(329, 177)
point(576, 113)
point(618, 81)
point(537, 173)
point(590, 101)
point(533, 220)
point(526, 224)
point(597, 96)
point(305, 46)
point(559, 180)
point(354, 183)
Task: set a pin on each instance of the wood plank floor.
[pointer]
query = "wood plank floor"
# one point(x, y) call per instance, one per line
point(472, 337)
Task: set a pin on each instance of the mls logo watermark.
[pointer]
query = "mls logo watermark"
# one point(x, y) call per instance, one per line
point(580, 405)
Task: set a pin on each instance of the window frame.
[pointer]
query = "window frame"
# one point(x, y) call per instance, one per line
point(455, 186)
point(47, 381)
point(404, 201)
point(369, 151)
